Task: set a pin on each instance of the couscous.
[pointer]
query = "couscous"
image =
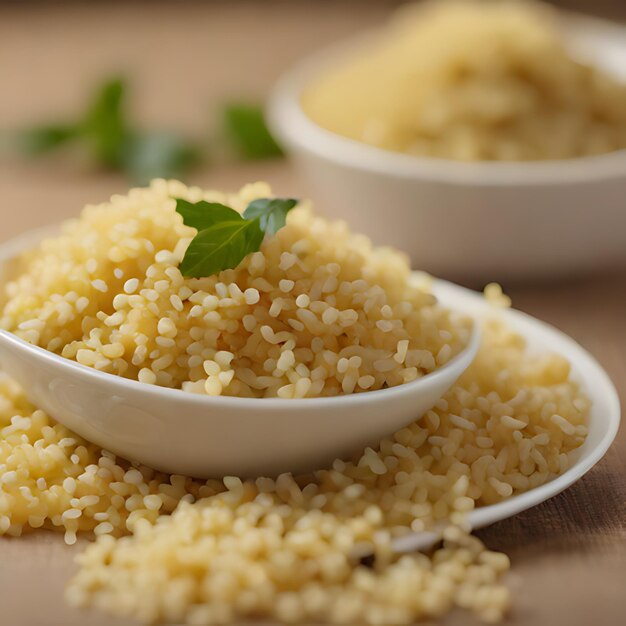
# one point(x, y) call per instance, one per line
point(472, 81)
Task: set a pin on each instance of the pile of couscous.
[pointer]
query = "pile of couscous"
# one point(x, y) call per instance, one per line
point(472, 80)
point(317, 311)
point(313, 548)
point(299, 548)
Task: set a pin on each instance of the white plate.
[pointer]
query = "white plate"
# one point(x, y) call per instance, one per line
point(603, 421)
point(541, 337)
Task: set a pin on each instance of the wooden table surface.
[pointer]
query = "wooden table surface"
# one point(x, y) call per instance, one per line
point(569, 554)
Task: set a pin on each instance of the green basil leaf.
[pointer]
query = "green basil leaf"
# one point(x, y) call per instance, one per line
point(224, 237)
point(42, 139)
point(201, 215)
point(220, 247)
point(271, 212)
point(109, 139)
point(104, 126)
point(245, 126)
point(158, 155)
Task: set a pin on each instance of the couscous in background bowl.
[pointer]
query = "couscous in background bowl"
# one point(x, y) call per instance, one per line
point(472, 221)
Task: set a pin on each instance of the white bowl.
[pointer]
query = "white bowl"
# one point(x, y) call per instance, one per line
point(478, 221)
point(197, 435)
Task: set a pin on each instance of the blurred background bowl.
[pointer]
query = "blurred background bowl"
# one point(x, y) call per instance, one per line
point(467, 221)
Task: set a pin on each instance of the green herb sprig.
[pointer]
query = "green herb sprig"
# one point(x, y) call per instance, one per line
point(106, 134)
point(226, 237)
point(245, 128)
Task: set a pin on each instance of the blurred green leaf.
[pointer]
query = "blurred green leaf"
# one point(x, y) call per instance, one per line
point(245, 127)
point(112, 142)
point(42, 139)
point(104, 126)
point(159, 155)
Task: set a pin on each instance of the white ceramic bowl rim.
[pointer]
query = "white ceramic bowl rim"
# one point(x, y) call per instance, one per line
point(194, 398)
point(292, 126)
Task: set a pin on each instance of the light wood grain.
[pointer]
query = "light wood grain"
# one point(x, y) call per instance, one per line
point(569, 554)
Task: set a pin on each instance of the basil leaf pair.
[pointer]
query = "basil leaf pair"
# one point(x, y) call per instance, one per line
point(226, 237)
